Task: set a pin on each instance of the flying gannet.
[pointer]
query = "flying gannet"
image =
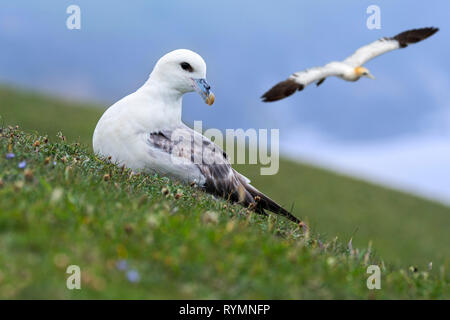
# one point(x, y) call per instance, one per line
point(350, 69)
point(144, 132)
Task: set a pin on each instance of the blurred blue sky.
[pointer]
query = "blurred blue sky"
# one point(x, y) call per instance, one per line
point(395, 130)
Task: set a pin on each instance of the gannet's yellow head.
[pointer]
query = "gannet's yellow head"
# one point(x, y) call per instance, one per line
point(363, 72)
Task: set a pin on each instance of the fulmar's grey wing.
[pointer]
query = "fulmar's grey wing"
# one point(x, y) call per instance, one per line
point(189, 149)
point(383, 45)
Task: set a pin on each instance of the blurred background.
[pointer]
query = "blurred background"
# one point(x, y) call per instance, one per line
point(394, 130)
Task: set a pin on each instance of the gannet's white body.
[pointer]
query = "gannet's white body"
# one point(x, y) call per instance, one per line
point(144, 132)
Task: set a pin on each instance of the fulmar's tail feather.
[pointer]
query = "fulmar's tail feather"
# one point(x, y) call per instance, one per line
point(260, 202)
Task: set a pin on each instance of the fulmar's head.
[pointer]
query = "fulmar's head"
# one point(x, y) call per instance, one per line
point(185, 71)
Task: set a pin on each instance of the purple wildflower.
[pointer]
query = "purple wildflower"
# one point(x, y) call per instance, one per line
point(10, 155)
point(133, 276)
point(22, 164)
point(122, 265)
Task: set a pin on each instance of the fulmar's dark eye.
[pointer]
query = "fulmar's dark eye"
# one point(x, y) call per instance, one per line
point(186, 66)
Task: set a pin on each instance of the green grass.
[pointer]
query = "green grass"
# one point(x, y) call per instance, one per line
point(68, 207)
point(195, 247)
point(405, 229)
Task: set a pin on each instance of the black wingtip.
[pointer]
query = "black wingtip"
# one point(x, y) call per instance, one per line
point(281, 90)
point(320, 82)
point(414, 35)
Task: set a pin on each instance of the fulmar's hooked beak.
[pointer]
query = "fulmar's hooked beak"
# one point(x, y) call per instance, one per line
point(204, 90)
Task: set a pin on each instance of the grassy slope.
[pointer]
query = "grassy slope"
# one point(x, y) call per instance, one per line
point(62, 210)
point(404, 229)
point(47, 115)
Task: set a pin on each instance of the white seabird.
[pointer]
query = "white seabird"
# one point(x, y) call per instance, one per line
point(144, 132)
point(350, 69)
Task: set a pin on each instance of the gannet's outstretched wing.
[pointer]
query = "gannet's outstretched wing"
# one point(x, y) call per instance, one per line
point(383, 45)
point(299, 80)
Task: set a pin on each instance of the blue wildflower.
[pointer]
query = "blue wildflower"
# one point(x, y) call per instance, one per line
point(122, 265)
point(22, 164)
point(10, 155)
point(133, 276)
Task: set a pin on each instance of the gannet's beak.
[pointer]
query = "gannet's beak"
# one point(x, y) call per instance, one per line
point(370, 76)
point(204, 90)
